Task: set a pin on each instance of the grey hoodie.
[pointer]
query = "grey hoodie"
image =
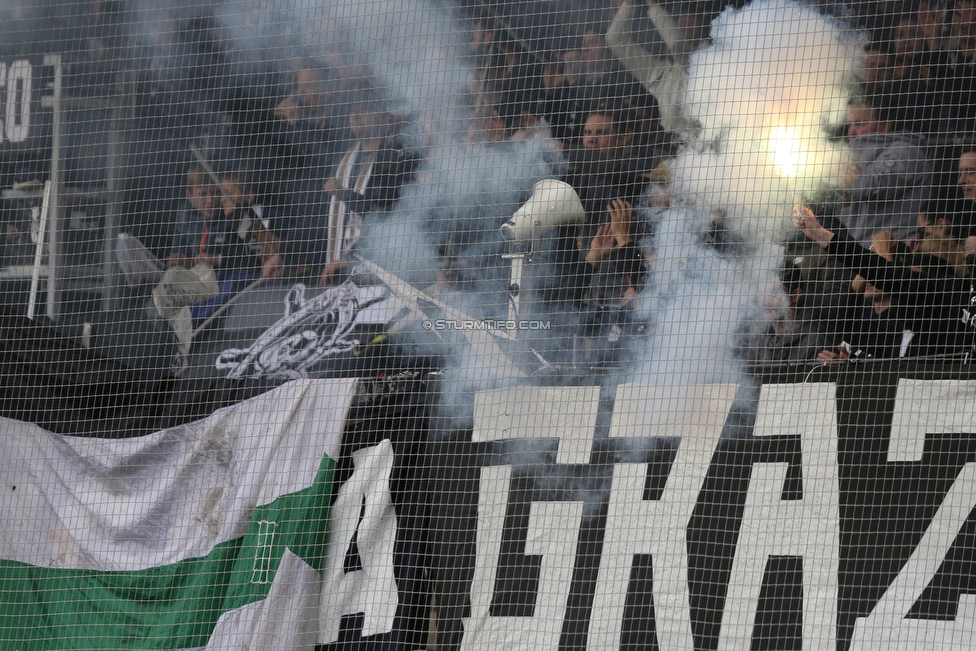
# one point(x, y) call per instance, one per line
point(893, 185)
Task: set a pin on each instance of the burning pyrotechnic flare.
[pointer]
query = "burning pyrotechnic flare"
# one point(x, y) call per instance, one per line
point(785, 145)
point(765, 94)
point(766, 91)
point(788, 156)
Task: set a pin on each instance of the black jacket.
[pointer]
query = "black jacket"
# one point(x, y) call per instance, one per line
point(304, 234)
point(927, 301)
point(393, 167)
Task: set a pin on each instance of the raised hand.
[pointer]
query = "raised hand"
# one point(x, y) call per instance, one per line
point(621, 221)
point(806, 221)
point(602, 245)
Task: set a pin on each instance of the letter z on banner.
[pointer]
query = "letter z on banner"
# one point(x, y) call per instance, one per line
point(924, 408)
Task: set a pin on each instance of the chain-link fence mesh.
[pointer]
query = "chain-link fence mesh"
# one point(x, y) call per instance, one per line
point(414, 324)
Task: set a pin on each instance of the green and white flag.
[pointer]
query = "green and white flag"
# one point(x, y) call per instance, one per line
point(208, 535)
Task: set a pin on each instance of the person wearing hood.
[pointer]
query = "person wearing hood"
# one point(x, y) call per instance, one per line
point(893, 177)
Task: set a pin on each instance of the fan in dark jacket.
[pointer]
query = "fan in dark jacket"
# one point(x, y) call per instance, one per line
point(367, 178)
point(915, 295)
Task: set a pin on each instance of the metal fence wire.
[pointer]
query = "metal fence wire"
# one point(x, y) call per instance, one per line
point(457, 325)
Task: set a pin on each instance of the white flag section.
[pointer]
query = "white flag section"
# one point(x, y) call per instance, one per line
point(209, 535)
point(363, 511)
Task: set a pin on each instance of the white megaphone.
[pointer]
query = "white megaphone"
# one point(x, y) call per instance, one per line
point(553, 203)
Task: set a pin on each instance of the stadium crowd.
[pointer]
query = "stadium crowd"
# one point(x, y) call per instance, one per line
point(881, 268)
point(884, 269)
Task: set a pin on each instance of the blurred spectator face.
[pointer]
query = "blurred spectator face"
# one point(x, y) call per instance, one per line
point(480, 38)
point(594, 47)
point(565, 70)
point(202, 194)
point(553, 75)
point(595, 56)
point(964, 18)
point(600, 134)
point(909, 41)
point(862, 120)
point(495, 129)
point(967, 175)
point(929, 19)
point(876, 67)
point(309, 99)
point(235, 196)
point(309, 88)
point(572, 67)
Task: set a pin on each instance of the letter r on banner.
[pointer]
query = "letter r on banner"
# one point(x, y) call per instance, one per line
point(696, 414)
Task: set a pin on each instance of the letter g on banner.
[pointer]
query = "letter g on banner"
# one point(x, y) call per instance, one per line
point(568, 414)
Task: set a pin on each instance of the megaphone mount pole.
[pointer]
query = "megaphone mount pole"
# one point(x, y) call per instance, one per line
point(519, 255)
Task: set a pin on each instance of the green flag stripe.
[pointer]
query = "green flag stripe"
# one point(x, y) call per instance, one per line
point(169, 607)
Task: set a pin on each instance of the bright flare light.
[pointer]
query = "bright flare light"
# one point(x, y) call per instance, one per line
point(786, 150)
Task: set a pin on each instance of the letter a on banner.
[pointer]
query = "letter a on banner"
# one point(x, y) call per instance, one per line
point(923, 407)
point(364, 509)
point(808, 527)
point(566, 413)
point(695, 414)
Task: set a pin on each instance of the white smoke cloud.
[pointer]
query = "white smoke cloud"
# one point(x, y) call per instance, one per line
point(413, 51)
point(767, 92)
point(775, 78)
